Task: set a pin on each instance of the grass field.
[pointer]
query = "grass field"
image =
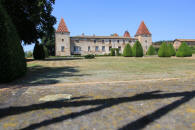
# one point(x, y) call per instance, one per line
point(107, 69)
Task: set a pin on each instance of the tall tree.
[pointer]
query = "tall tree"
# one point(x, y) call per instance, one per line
point(32, 18)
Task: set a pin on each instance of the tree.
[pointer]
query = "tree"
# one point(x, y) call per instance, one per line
point(38, 52)
point(137, 49)
point(164, 50)
point(12, 61)
point(184, 50)
point(151, 50)
point(127, 52)
point(32, 18)
point(171, 49)
point(112, 52)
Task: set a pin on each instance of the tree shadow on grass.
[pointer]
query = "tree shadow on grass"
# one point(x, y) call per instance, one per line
point(102, 104)
point(39, 75)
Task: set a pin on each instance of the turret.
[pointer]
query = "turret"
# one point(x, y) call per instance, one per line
point(62, 40)
point(144, 36)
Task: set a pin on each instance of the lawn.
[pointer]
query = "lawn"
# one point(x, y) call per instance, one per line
point(106, 69)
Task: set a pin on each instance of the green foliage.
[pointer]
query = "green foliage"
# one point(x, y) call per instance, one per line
point(151, 50)
point(164, 50)
point(49, 43)
point(137, 49)
point(12, 61)
point(127, 52)
point(29, 54)
point(46, 51)
point(184, 50)
point(171, 49)
point(112, 52)
point(39, 53)
point(90, 56)
point(117, 52)
point(33, 19)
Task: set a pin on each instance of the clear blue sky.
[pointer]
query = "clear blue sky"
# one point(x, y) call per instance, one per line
point(166, 19)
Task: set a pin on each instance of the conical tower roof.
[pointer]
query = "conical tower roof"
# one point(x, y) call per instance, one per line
point(62, 26)
point(126, 34)
point(142, 30)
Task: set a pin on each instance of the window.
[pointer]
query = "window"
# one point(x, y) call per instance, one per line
point(77, 41)
point(62, 48)
point(94, 41)
point(146, 41)
point(110, 47)
point(119, 48)
point(89, 48)
point(110, 41)
point(102, 41)
point(103, 48)
point(96, 48)
point(118, 41)
point(123, 41)
point(62, 40)
point(77, 48)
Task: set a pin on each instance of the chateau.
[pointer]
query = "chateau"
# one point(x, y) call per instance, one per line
point(66, 45)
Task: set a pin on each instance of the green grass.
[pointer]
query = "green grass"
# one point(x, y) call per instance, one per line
point(111, 69)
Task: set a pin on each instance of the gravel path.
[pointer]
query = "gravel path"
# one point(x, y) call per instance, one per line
point(168, 104)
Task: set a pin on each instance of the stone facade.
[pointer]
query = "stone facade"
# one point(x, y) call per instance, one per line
point(65, 45)
point(177, 42)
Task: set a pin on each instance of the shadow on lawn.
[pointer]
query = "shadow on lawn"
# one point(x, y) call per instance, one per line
point(39, 75)
point(57, 59)
point(100, 105)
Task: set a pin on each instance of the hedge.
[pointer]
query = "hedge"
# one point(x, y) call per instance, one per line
point(137, 49)
point(90, 56)
point(171, 49)
point(12, 58)
point(164, 50)
point(38, 52)
point(184, 50)
point(112, 52)
point(151, 50)
point(127, 52)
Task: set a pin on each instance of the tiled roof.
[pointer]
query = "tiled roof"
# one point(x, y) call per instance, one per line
point(62, 26)
point(142, 30)
point(103, 37)
point(126, 34)
point(115, 35)
point(185, 40)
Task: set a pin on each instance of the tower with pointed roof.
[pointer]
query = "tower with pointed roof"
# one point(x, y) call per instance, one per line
point(144, 36)
point(62, 40)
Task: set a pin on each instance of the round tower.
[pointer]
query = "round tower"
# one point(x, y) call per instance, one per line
point(62, 40)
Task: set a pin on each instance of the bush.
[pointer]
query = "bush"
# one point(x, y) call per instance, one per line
point(112, 52)
point(184, 50)
point(12, 60)
point(164, 50)
point(29, 54)
point(90, 56)
point(151, 50)
point(171, 49)
point(117, 52)
point(38, 53)
point(46, 51)
point(137, 49)
point(127, 52)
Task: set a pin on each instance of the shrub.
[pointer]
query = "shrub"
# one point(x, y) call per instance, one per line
point(151, 50)
point(38, 52)
point(127, 52)
point(112, 52)
point(171, 49)
point(29, 54)
point(184, 50)
point(46, 51)
point(117, 52)
point(164, 50)
point(12, 60)
point(90, 56)
point(137, 49)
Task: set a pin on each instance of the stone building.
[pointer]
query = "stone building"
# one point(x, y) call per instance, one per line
point(66, 45)
point(177, 42)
